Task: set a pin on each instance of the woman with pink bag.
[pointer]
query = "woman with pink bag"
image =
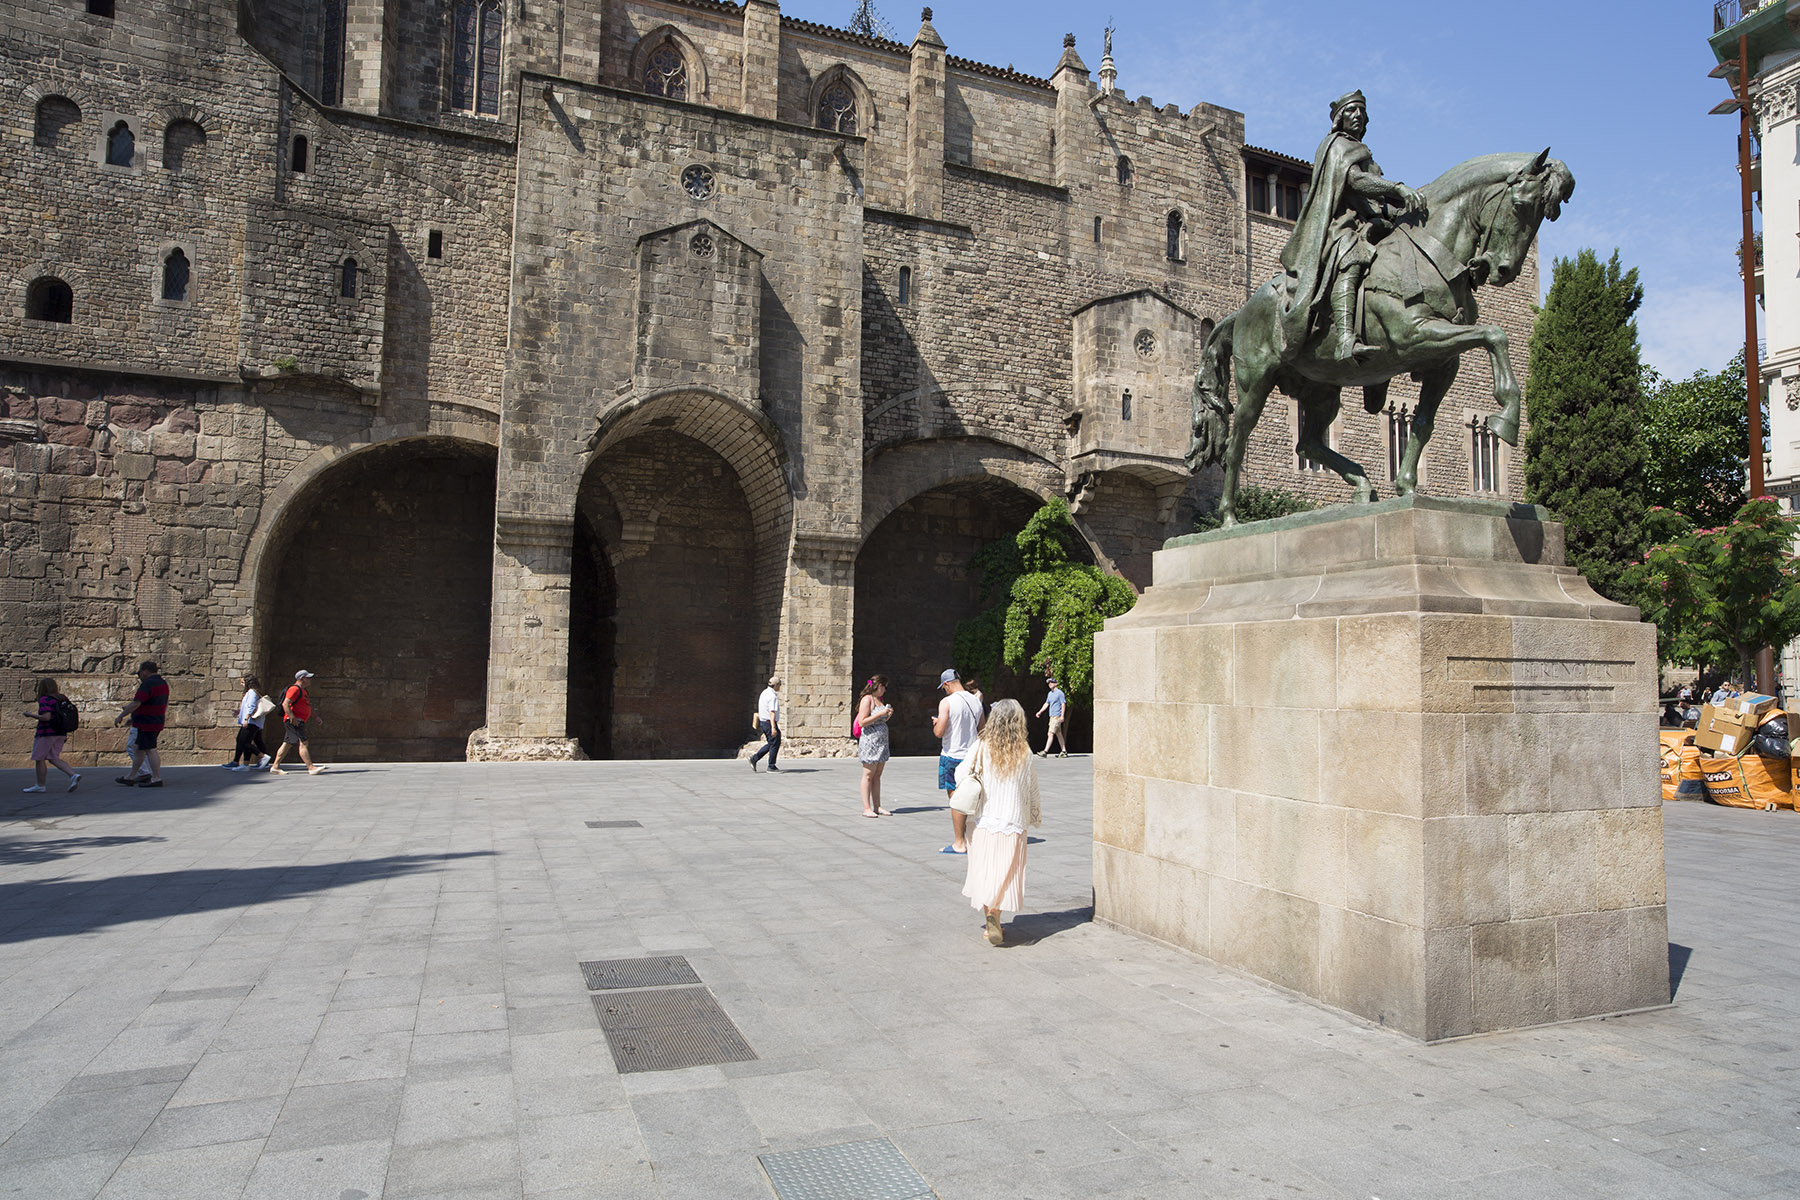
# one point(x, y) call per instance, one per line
point(872, 741)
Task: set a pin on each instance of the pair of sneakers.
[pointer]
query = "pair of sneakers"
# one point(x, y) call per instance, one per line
point(74, 782)
point(262, 765)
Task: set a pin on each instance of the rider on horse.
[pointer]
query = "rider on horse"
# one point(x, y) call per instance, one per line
point(1332, 245)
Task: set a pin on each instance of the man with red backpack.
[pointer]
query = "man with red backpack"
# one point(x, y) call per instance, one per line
point(56, 720)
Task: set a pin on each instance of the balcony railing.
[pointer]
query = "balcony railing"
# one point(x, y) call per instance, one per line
point(1727, 13)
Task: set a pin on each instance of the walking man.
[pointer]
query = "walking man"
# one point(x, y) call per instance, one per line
point(296, 711)
point(768, 723)
point(147, 710)
point(957, 722)
point(1056, 704)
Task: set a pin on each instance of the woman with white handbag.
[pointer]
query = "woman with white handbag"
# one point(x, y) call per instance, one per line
point(250, 753)
point(998, 783)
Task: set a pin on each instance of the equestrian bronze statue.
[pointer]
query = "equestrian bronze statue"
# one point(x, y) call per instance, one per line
point(1377, 280)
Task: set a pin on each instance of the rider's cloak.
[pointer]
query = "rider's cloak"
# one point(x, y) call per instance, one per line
point(1310, 254)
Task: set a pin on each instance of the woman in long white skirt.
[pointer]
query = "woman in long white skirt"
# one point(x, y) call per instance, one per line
point(1010, 804)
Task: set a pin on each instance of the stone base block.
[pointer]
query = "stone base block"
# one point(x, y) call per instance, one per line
point(486, 748)
point(1396, 757)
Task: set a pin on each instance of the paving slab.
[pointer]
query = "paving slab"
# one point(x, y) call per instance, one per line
point(367, 982)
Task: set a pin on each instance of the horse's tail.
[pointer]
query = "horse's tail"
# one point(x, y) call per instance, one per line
point(1212, 398)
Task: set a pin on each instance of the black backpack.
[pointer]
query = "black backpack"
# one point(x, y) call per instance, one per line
point(65, 718)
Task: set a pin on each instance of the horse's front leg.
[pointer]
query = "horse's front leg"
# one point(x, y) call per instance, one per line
point(1438, 336)
point(1434, 385)
point(1253, 391)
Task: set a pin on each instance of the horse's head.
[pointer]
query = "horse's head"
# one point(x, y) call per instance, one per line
point(1511, 216)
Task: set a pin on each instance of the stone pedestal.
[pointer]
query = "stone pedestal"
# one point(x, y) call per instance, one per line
point(1397, 757)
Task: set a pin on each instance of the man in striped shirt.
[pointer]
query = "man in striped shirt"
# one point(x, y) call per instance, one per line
point(146, 710)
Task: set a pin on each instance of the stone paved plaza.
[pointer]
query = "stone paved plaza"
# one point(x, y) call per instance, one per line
point(364, 984)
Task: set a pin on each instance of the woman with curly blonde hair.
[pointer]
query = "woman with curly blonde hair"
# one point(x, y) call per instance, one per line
point(1010, 803)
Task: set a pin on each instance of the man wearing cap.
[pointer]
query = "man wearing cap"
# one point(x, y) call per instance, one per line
point(147, 711)
point(1330, 249)
point(958, 720)
point(768, 723)
point(1056, 704)
point(296, 711)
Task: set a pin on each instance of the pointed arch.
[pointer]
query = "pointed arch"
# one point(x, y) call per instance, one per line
point(826, 109)
point(694, 85)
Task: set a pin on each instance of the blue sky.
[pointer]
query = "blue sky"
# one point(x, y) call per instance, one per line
point(1619, 91)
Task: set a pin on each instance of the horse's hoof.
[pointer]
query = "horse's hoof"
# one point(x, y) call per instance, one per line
point(1504, 427)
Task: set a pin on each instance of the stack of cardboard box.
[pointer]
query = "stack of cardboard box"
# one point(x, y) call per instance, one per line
point(1733, 775)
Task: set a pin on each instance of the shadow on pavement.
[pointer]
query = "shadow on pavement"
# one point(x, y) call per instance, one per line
point(65, 907)
point(15, 853)
point(1678, 961)
point(183, 787)
point(919, 808)
point(1028, 929)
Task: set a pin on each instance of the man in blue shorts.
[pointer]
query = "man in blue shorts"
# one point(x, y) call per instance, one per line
point(958, 720)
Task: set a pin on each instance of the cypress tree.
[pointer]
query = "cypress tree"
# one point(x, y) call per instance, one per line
point(1585, 449)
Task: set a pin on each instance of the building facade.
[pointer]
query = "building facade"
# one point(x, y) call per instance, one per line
point(544, 377)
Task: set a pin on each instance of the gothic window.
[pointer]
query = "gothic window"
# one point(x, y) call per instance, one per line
point(121, 145)
point(175, 273)
point(331, 53)
point(665, 74)
point(57, 119)
point(49, 299)
point(475, 59)
point(1124, 169)
point(1484, 457)
point(347, 279)
point(1399, 422)
point(1174, 247)
point(837, 108)
point(905, 286)
point(184, 146)
point(297, 157)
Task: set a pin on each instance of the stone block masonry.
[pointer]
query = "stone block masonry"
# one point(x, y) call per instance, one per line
point(708, 332)
point(1384, 757)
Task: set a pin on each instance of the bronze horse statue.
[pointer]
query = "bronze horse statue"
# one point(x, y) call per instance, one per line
point(1419, 316)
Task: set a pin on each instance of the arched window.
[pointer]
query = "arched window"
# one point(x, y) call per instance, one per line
point(49, 299)
point(905, 286)
point(57, 120)
point(347, 279)
point(1175, 230)
point(331, 53)
point(665, 73)
point(475, 59)
point(184, 146)
point(837, 108)
point(1124, 169)
point(297, 156)
point(121, 145)
point(176, 271)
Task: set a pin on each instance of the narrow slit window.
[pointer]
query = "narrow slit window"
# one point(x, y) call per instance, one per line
point(905, 286)
point(121, 145)
point(175, 275)
point(331, 68)
point(434, 244)
point(100, 8)
point(1174, 246)
point(1096, 230)
point(1125, 405)
point(347, 280)
point(297, 159)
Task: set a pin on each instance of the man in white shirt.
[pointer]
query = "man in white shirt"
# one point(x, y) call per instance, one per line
point(768, 721)
point(959, 718)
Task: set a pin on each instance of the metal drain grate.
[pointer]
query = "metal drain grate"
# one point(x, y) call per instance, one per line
point(615, 824)
point(872, 1170)
point(669, 1030)
point(611, 973)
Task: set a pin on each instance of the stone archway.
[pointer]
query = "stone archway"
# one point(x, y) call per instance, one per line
point(913, 584)
point(378, 578)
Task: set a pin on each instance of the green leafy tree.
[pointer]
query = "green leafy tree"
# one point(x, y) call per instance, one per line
point(1718, 595)
point(1258, 504)
point(1585, 451)
point(1696, 433)
point(1044, 607)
